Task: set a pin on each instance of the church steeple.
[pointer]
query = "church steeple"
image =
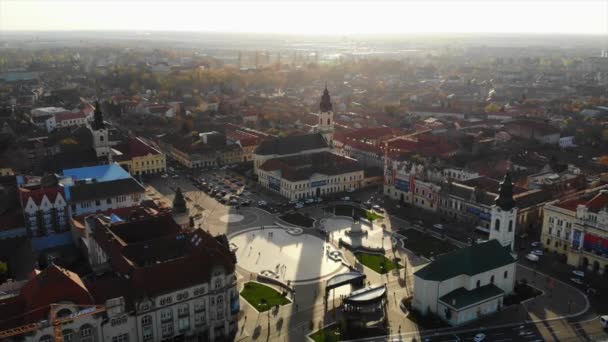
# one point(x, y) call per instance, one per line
point(505, 195)
point(97, 118)
point(325, 104)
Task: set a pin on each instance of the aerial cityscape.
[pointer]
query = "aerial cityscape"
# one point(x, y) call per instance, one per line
point(303, 171)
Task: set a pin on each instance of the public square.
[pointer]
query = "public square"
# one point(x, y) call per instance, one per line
point(289, 257)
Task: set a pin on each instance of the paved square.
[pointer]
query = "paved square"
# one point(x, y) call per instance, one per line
point(371, 237)
point(274, 251)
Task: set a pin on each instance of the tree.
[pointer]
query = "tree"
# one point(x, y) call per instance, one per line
point(179, 203)
point(3, 271)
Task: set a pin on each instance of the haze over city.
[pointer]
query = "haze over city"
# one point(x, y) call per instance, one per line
point(303, 171)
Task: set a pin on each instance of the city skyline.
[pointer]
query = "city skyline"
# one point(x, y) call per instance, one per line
point(315, 18)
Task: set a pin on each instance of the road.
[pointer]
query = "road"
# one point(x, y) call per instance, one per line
point(295, 323)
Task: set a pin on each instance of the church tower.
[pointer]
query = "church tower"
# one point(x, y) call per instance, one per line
point(326, 118)
point(504, 215)
point(100, 133)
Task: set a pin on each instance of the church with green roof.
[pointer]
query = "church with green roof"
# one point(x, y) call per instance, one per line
point(471, 282)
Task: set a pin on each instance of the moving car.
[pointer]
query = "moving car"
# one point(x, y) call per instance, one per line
point(438, 226)
point(536, 244)
point(578, 273)
point(479, 337)
point(262, 203)
point(532, 257)
point(577, 281)
point(604, 321)
point(538, 252)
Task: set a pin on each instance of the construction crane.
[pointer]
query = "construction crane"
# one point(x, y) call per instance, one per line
point(56, 322)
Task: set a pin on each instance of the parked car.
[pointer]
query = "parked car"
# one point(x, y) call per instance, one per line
point(299, 206)
point(536, 244)
point(377, 208)
point(538, 252)
point(318, 200)
point(164, 175)
point(438, 226)
point(350, 190)
point(175, 176)
point(309, 201)
point(262, 203)
point(479, 337)
point(577, 281)
point(368, 204)
point(579, 273)
point(604, 321)
point(532, 257)
point(345, 198)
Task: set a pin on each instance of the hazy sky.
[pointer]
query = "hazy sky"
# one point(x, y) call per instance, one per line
point(313, 17)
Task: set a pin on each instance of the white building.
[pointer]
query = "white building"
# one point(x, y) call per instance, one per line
point(100, 188)
point(471, 282)
point(310, 175)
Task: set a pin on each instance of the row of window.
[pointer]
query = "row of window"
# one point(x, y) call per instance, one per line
point(559, 222)
point(119, 199)
point(504, 275)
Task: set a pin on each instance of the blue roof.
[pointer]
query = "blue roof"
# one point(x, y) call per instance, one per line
point(101, 173)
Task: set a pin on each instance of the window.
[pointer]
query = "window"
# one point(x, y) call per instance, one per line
point(109, 201)
point(220, 300)
point(68, 335)
point(478, 283)
point(146, 320)
point(167, 330)
point(199, 307)
point(218, 283)
point(510, 225)
point(506, 274)
point(46, 338)
point(183, 324)
point(166, 315)
point(183, 310)
point(492, 280)
point(97, 202)
point(199, 319)
point(85, 332)
point(548, 242)
point(147, 333)
point(121, 338)
point(497, 224)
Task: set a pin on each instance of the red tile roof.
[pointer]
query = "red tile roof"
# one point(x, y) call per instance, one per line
point(38, 194)
point(69, 116)
point(53, 285)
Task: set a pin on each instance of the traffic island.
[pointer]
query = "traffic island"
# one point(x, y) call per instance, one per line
point(263, 297)
point(377, 262)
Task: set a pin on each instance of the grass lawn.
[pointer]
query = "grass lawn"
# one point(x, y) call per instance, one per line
point(425, 245)
point(329, 334)
point(256, 293)
point(371, 215)
point(375, 261)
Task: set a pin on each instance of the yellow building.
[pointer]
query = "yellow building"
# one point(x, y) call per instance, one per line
point(577, 228)
point(6, 171)
point(139, 157)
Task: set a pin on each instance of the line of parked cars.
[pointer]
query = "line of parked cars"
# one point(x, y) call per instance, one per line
point(225, 190)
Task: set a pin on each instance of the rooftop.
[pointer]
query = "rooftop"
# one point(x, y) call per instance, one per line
point(469, 261)
point(100, 173)
point(462, 298)
point(301, 167)
point(291, 144)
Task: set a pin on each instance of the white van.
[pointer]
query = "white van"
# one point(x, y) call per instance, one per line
point(604, 321)
point(532, 257)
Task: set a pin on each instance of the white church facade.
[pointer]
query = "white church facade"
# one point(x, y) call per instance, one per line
point(471, 282)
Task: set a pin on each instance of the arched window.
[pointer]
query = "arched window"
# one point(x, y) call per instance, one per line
point(506, 274)
point(510, 225)
point(478, 283)
point(68, 335)
point(492, 280)
point(85, 333)
point(497, 224)
point(64, 312)
point(328, 122)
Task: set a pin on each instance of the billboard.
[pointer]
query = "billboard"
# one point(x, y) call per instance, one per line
point(596, 243)
point(274, 183)
point(402, 184)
